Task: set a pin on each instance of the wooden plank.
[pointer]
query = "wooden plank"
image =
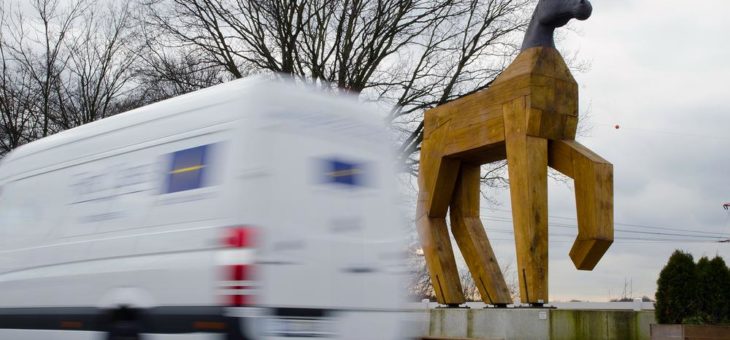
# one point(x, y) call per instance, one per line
point(483, 154)
point(487, 132)
point(433, 232)
point(537, 61)
point(500, 93)
point(570, 127)
point(560, 157)
point(437, 250)
point(558, 97)
point(566, 97)
point(480, 103)
point(593, 177)
point(447, 170)
point(550, 63)
point(433, 120)
point(527, 166)
point(437, 176)
point(594, 199)
point(534, 119)
point(548, 108)
point(472, 240)
point(478, 115)
point(426, 170)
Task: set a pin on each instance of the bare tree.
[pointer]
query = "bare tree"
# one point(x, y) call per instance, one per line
point(163, 73)
point(420, 286)
point(471, 291)
point(64, 64)
point(37, 44)
point(99, 67)
point(412, 54)
point(16, 100)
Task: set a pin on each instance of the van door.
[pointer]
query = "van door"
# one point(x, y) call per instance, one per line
point(334, 241)
point(333, 244)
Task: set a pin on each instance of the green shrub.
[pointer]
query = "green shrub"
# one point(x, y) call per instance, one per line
point(718, 292)
point(693, 293)
point(704, 291)
point(677, 289)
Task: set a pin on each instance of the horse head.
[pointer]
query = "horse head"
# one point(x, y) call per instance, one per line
point(551, 14)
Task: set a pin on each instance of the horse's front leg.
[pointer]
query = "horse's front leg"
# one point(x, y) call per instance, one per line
point(527, 166)
point(593, 178)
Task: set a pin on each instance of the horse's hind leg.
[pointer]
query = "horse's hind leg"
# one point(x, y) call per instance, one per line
point(472, 239)
point(593, 177)
point(431, 224)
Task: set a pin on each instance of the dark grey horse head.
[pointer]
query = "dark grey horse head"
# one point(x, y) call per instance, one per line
point(551, 14)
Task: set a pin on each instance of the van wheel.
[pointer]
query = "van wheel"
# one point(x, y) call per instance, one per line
point(124, 325)
point(124, 330)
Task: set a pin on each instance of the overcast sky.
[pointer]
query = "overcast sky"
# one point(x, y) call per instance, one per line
point(660, 69)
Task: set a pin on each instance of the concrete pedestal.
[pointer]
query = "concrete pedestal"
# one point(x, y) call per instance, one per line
point(528, 323)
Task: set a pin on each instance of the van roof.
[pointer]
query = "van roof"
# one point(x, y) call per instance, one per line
point(260, 88)
point(190, 101)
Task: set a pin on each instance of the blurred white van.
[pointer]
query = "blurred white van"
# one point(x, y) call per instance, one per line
point(252, 210)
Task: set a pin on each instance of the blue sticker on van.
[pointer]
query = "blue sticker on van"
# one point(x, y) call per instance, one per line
point(337, 171)
point(187, 169)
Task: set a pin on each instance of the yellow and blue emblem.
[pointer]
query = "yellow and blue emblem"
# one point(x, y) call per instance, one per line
point(350, 174)
point(187, 169)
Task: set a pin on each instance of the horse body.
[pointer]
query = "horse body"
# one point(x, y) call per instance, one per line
point(528, 116)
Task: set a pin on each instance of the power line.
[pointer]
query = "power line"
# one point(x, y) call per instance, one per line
point(696, 237)
point(575, 227)
point(700, 233)
point(623, 240)
point(626, 224)
point(511, 232)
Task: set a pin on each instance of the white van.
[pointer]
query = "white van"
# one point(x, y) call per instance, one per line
point(252, 210)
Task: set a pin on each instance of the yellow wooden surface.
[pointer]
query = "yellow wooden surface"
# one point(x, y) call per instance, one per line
point(529, 116)
point(447, 170)
point(593, 178)
point(433, 232)
point(527, 166)
point(436, 178)
point(472, 240)
point(440, 260)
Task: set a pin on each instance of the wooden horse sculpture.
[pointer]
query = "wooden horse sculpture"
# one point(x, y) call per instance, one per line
point(529, 116)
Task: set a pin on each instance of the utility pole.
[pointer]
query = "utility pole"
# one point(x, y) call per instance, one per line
point(726, 206)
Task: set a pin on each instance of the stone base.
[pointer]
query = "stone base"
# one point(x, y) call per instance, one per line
point(533, 323)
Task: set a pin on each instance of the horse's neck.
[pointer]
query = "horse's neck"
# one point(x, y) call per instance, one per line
point(538, 35)
point(537, 61)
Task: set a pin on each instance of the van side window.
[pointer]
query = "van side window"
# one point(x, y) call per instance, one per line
point(187, 169)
